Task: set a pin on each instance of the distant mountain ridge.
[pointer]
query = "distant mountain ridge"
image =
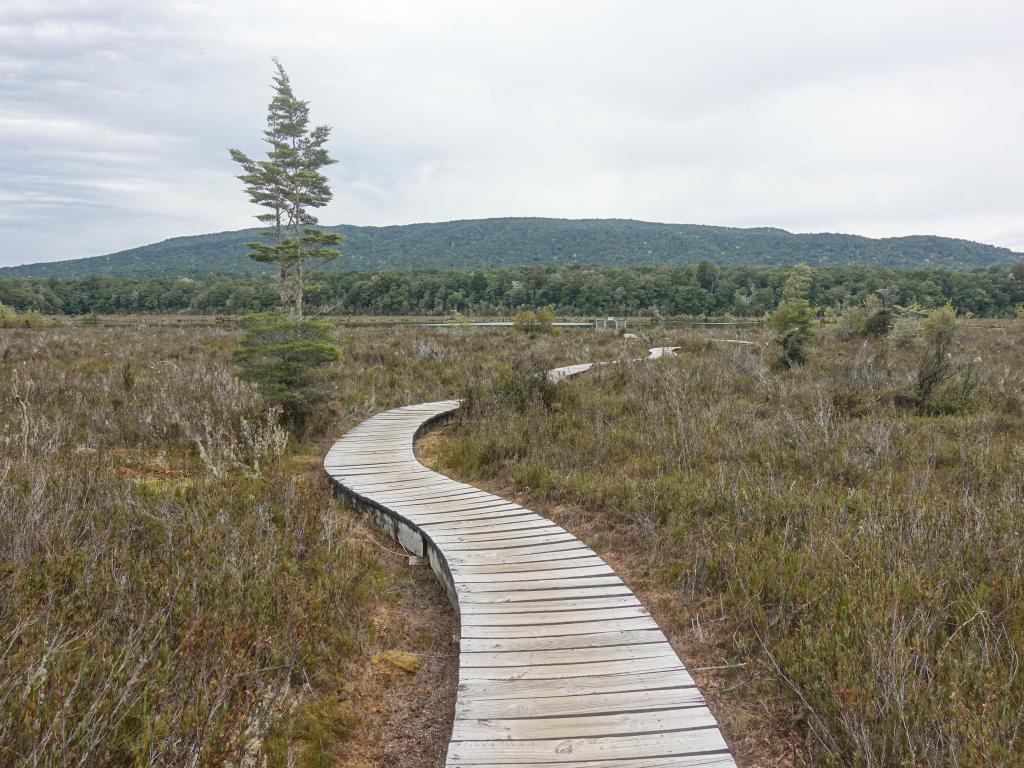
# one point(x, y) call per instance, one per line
point(503, 242)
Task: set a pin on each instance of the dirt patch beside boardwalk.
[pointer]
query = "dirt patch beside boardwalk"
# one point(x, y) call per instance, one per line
point(405, 713)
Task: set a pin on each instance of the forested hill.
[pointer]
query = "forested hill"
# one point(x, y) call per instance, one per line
point(485, 243)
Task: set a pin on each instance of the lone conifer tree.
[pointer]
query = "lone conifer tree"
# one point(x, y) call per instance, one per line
point(290, 185)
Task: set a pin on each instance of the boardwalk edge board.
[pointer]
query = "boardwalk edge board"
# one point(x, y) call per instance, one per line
point(560, 666)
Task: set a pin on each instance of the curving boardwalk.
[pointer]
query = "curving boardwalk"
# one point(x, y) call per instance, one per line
point(560, 666)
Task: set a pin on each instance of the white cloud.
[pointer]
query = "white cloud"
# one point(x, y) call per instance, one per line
point(876, 117)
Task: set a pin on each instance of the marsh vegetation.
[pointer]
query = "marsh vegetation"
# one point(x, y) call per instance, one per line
point(837, 558)
point(837, 545)
point(177, 586)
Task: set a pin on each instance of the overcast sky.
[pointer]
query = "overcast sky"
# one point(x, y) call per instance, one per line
point(876, 117)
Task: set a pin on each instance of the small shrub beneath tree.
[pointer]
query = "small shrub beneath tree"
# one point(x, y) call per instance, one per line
point(291, 362)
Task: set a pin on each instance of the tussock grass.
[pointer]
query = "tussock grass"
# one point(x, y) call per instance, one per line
point(861, 561)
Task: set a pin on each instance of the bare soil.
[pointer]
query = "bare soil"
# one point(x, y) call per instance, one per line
point(405, 720)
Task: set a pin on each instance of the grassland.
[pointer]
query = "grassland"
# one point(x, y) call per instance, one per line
point(845, 576)
point(177, 587)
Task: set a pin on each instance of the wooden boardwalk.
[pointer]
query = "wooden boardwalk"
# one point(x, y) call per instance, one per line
point(560, 666)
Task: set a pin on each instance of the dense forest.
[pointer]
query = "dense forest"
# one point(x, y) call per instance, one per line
point(581, 291)
point(507, 242)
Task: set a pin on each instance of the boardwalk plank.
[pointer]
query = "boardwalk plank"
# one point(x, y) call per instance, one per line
point(568, 706)
point(689, 742)
point(595, 685)
point(585, 726)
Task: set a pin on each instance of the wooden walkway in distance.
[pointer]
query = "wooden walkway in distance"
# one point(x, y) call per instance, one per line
point(560, 666)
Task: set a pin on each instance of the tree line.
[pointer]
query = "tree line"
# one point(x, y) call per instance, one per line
point(702, 289)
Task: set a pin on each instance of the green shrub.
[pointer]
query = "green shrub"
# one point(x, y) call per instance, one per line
point(872, 318)
point(528, 321)
point(935, 364)
point(291, 362)
point(792, 325)
point(880, 323)
point(10, 318)
point(545, 318)
point(524, 320)
point(851, 322)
